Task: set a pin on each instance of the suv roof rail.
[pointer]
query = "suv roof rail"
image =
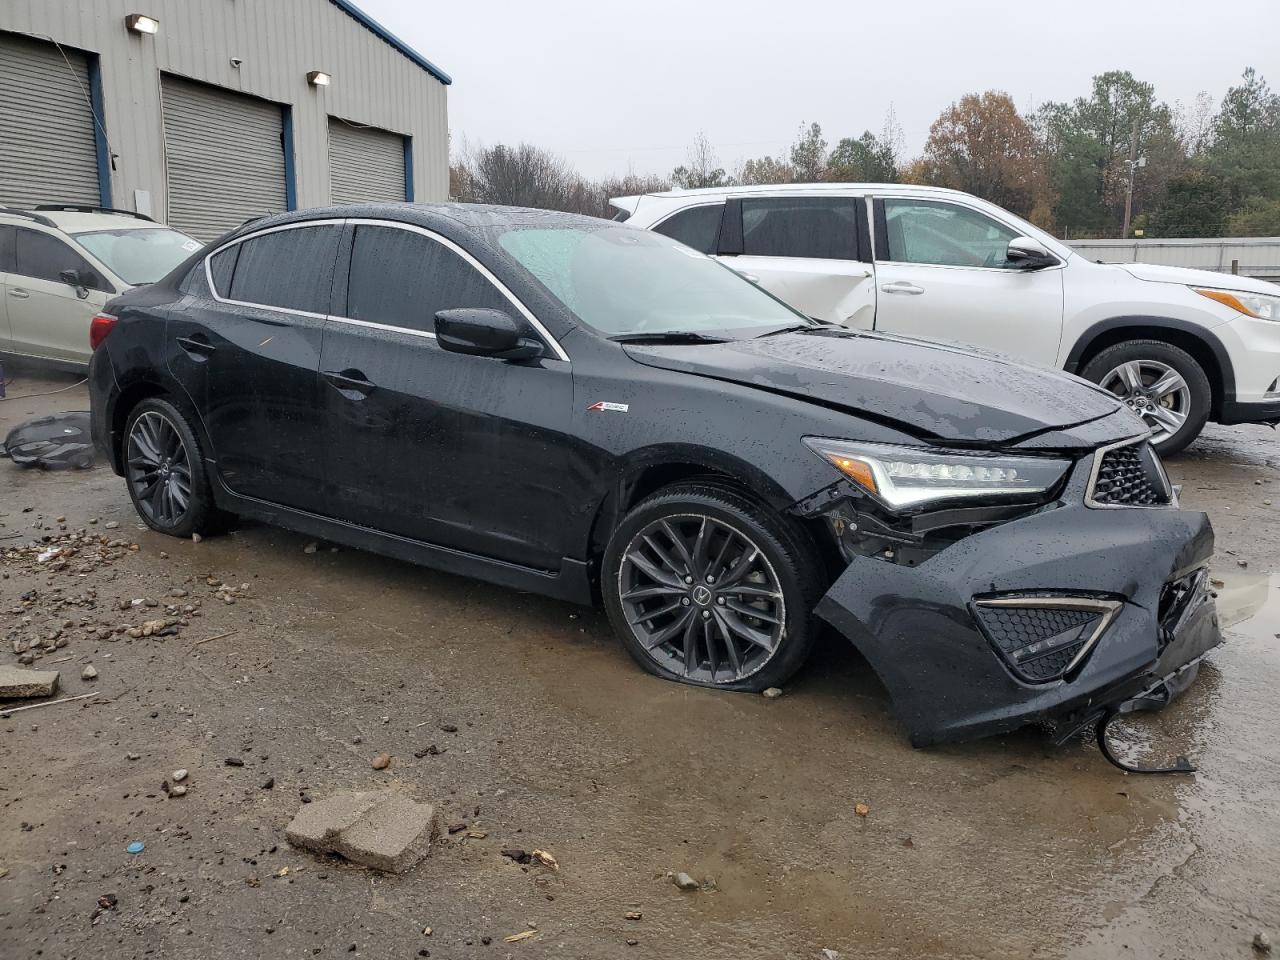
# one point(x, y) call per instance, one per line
point(28, 215)
point(83, 208)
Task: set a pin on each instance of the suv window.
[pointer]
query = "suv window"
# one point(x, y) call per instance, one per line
point(823, 228)
point(697, 227)
point(291, 269)
point(402, 278)
point(222, 266)
point(6, 249)
point(940, 233)
point(43, 256)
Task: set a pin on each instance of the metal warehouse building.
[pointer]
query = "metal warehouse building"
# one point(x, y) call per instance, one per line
point(203, 113)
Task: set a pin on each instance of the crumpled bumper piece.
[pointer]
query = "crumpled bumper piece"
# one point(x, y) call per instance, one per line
point(917, 628)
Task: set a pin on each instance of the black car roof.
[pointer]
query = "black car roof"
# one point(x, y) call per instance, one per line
point(440, 216)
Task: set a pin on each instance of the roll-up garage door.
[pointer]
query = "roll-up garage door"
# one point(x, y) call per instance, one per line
point(365, 163)
point(224, 157)
point(48, 153)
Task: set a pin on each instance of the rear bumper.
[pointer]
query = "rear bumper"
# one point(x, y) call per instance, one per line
point(918, 626)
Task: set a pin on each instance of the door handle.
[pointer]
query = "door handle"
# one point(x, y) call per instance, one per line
point(350, 382)
point(18, 293)
point(197, 345)
point(902, 286)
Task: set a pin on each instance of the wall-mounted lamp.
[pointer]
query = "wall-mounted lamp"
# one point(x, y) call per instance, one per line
point(140, 23)
point(318, 78)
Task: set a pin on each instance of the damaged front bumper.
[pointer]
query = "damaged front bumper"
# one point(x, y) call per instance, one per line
point(1054, 618)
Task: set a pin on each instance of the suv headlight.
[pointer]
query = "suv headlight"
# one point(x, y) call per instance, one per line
point(910, 476)
point(1250, 304)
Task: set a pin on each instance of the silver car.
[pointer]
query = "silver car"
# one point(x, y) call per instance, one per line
point(59, 265)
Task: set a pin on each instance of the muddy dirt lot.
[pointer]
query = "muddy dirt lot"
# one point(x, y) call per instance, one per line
point(305, 665)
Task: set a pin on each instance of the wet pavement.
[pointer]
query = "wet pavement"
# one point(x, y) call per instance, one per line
point(1007, 847)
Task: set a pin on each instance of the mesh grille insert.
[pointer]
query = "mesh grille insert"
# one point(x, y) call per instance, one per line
point(1039, 642)
point(1128, 477)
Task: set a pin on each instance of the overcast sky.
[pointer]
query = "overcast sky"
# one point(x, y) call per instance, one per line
point(616, 85)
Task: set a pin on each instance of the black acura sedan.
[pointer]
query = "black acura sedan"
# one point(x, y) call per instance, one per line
point(571, 406)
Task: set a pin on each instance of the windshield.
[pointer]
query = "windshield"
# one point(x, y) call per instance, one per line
point(620, 281)
point(139, 255)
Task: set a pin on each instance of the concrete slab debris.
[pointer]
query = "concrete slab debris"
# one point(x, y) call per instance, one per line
point(374, 829)
point(16, 682)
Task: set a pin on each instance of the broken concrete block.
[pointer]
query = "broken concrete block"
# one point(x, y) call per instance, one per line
point(16, 682)
point(375, 830)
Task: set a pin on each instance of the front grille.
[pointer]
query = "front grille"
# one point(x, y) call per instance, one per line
point(1128, 476)
point(1041, 639)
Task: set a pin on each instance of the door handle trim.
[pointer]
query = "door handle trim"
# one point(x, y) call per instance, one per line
point(350, 381)
point(19, 294)
point(902, 287)
point(194, 345)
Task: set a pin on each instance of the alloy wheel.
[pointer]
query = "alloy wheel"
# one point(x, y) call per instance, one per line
point(701, 598)
point(1155, 391)
point(159, 469)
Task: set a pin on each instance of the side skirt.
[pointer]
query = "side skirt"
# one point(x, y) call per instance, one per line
point(572, 582)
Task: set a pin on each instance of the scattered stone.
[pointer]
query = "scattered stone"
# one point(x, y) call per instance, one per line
point(476, 834)
point(684, 881)
point(381, 761)
point(828, 954)
point(448, 728)
point(311, 547)
point(133, 756)
point(861, 809)
point(15, 682)
point(632, 915)
point(179, 775)
point(196, 538)
point(89, 672)
point(111, 525)
point(773, 693)
point(431, 751)
point(632, 941)
point(178, 790)
point(1242, 563)
point(233, 762)
point(271, 782)
point(1261, 942)
point(516, 854)
point(375, 830)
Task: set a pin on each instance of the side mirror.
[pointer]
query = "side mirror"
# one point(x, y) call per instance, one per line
point(1027, 254)
point(73, 278)
point(481, 332)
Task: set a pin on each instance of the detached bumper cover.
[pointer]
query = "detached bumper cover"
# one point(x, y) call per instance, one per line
point(918, 628)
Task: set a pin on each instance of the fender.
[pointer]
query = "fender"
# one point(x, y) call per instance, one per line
point(1202, 334)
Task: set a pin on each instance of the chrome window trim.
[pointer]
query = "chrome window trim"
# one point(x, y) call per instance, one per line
point(213, 290)
point(1096, 467)
point(1109, 609)
point(425, 334)
point(484, 271)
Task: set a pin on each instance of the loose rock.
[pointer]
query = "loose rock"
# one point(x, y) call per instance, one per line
point(1261, 942)
point(89, 673)
point(179, 775)
point(376, 830)
point(381, 761)
point(773, 693)
point(684, 881)
point(15, 682)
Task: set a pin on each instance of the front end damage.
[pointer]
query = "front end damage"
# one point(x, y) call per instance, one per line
point(984, 619)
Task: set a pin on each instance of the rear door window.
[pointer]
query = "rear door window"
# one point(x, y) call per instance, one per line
point(290, 269)
point(42, 256)
point(819, 228)
point(697, 227)
point(6, 249)
point(403, 279)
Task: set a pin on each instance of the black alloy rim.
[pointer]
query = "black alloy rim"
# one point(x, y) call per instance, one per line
point(159, 469)
point(701, 598)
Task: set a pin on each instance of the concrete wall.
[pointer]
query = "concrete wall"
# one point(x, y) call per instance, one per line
point(1255, 256)
point(279, 41)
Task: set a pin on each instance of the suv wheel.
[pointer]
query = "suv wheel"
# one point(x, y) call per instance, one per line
point(164, 472)
point(706, 587)
point(1161, 383)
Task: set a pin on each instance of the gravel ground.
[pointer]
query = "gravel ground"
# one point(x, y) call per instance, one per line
point(523, 719)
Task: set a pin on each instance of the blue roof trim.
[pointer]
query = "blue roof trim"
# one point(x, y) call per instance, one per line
point(378, 30)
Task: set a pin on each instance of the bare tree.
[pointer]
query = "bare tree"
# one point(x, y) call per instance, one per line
point(701, 168)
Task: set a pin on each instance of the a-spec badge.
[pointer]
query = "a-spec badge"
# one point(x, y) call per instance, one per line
point(604, 405)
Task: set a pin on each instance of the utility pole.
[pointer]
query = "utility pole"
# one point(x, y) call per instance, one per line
point(1133, 164)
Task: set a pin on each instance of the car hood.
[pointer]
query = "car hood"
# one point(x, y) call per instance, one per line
point(941, 392)
point(1156, 273)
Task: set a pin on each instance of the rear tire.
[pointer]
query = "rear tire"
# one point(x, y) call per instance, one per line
point(705, 586)
point(165, 474)
point(1161, 383)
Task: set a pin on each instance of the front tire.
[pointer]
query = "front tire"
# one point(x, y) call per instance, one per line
point(707, 587)
point(165, 472)
point(1161, 383)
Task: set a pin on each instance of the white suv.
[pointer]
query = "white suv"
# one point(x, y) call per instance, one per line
point(1179, 346)
point(59, 265)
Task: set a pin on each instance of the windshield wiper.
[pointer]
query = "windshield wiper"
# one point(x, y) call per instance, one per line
point(794, 328)
point(667, 336)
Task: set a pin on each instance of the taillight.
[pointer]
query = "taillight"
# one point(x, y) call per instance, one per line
point(99, 327)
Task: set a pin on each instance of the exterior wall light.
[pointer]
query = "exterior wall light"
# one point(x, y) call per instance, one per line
point(318, 78)
point(140, 23)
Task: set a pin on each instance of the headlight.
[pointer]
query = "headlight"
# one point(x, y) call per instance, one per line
point(910, 476)
point(1250, 304)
